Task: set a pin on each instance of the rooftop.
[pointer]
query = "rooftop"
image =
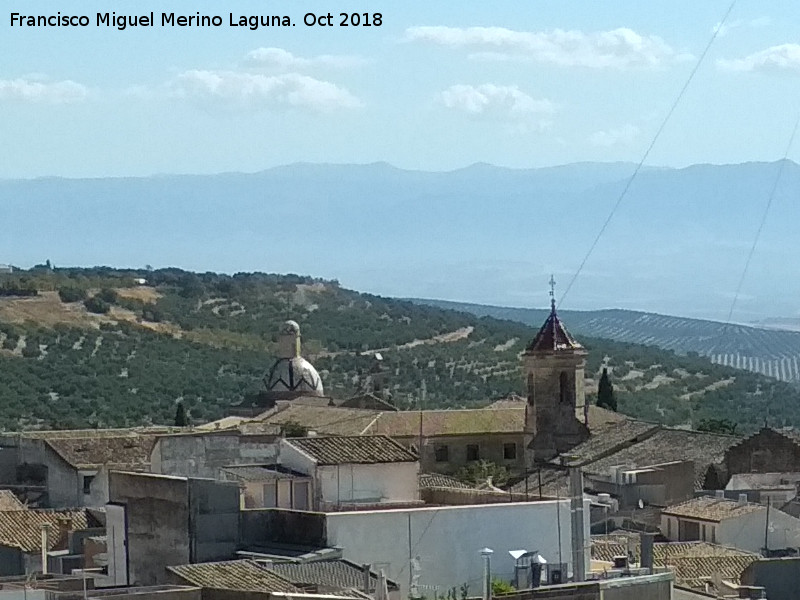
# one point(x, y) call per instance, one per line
point(129, 450)
point(449, 422)
point(329, 420)
point(240, 575)
point(9, 501)
point(694, 563)
point(259, 472)
point(427, 480)
point(710, 508)
point(333, 420)
point(326, 575)
point(23, 528)
point(367, 449)
point(667, 445)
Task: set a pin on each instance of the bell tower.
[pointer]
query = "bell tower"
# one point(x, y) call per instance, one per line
point(553, 366)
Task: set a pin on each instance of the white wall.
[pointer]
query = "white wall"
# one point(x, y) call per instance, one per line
point(386, 482)
point(747, 532)
point(294, 459)
point(448, 540)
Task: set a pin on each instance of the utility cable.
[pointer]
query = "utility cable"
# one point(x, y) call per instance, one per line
point(764, 214)
point(639, 166)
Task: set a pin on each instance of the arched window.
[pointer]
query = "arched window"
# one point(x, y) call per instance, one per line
point(563, 387)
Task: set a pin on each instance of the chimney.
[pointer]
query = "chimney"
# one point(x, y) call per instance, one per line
point(742, 500)
point(719, 494)
point(367, 578)
point(64, 525)
point(646, 541)
point(45, 544)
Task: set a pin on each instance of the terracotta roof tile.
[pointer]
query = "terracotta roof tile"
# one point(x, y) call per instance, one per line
point(611, 438)
point(694, 563)
point(332, 420)
point(668, 445)
point(366, 449)
point(240, 575)
point(710, 508)
point(23, 528)
point(91, 452)
point(555, 483)
point(329, 420)
point(450, 422)
point(325, 575)
point(427, 480)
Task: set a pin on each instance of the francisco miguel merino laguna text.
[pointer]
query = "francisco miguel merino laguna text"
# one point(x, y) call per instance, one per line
point(252, 22)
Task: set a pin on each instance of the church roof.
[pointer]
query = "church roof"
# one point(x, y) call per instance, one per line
point(553, 336)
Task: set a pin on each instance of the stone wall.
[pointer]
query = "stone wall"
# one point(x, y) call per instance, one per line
point(765, 452)
point(157, 515)
point(202, 454)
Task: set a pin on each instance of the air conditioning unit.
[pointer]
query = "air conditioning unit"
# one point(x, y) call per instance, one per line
point(555, 577)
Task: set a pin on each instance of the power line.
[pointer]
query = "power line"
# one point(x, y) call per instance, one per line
point(770, 198)
point(638, 168)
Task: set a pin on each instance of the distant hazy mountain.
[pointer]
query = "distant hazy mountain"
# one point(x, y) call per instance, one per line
point(770, 352)
point(485, 234)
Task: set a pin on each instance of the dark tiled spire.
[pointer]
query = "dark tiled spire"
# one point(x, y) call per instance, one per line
point(553, 336)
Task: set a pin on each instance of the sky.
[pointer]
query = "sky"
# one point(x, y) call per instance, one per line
point(436, 86)
point(432, 86)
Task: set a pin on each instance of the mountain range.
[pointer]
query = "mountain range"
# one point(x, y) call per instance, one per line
point(677, 243)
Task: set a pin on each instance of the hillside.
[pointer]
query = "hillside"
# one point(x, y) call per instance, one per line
point(480, 233)
point(208, 339)
point(769, 351)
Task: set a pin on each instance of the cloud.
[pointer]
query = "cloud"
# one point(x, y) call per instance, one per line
point(622, 136)
point(253, 91)
point(785, 57)
point(723, 29)
point(618, 48)
point(498, 101)
point(280, 59)
point(34, 90)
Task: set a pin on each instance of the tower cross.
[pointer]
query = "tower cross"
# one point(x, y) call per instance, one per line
point(552, 293)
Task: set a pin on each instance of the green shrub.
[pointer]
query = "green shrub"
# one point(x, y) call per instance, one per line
point(96, 305)
point(107, 295)
point(71, 294)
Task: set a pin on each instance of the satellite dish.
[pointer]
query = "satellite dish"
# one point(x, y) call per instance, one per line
point(641, 503)
point(540, 559)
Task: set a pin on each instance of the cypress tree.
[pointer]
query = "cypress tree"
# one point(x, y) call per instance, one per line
point(181, 420)
point(605, 392)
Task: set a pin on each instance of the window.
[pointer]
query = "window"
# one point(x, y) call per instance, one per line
point(669, 528)
point(704, 533)
point(301, 495)
point(510, 451)
point(473, 452)
point(441, 452)
point(563, 386)
point(270, 495)
point(87, 484)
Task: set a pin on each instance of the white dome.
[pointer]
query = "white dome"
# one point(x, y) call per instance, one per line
point(294, 376)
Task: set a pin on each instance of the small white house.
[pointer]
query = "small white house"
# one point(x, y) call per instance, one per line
point(354, 470)
point(739, 524)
